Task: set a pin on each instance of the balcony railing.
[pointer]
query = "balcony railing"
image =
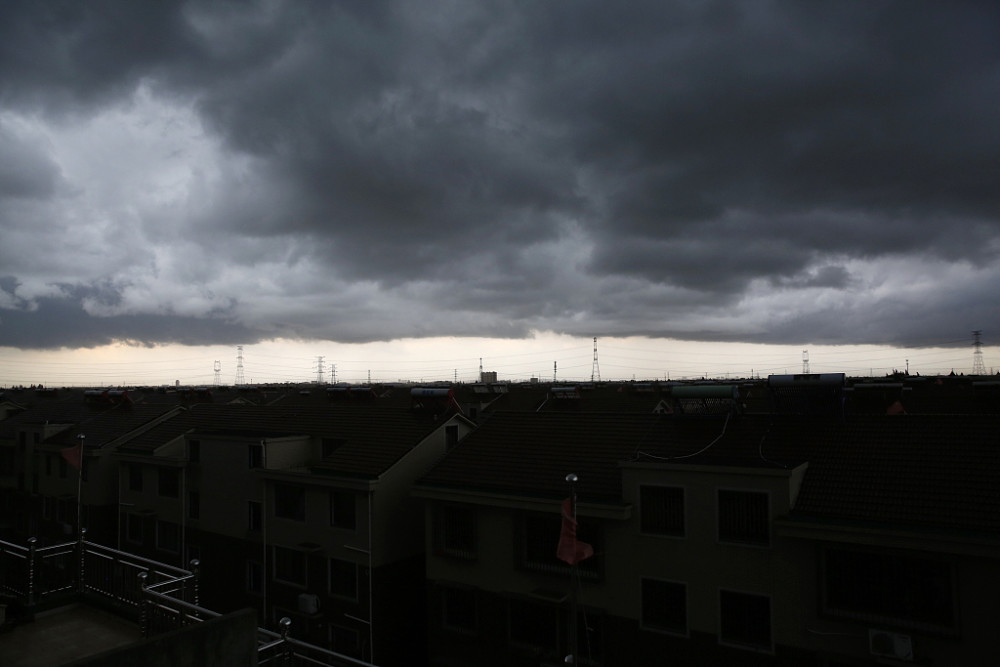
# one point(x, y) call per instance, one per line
point(157, 596)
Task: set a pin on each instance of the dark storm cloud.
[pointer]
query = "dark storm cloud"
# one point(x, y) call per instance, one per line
point(505, 166)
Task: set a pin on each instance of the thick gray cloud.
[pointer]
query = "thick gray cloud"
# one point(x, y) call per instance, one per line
point(761, 171)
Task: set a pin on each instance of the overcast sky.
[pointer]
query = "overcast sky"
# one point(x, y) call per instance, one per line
point(222, 173)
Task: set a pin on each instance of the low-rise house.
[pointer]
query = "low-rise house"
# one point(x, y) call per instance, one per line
point(820, 539)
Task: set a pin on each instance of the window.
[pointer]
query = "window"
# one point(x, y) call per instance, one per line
point(889, 588)
point(133, 528)
point(745, 620)
point(538, 540)
point(255, 577)
point(134, 477)
point(533, 624)
point(458, 609)
point(255, 456)
point(343, 511)
point(253, 515)
point(168, 482)
point(743, 517)
point(664, 606)
point(450, 436)
point(343, 640)
point(455, 531)
point(194, 505)
point(661, 510)
point(194, 451)
point(343, 578)
point(62, 468)
point(289, 502)
point(167, 536)
point(48, 507)
point(48, 465)
point(290, 566)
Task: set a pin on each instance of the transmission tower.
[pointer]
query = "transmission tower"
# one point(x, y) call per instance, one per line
point(805, 362)
point(333, 373)
point(218, 373)
point(595, 372)
point(554, 374)
point(239, 366)
point(319, 370)
point(978, 368)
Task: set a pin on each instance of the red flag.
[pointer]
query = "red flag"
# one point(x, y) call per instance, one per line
point(74, 455)
point(570, 549)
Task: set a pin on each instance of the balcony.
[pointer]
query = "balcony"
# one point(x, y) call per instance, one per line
point(98, 600)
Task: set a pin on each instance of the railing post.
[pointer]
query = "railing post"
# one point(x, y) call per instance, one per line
point(286, 649)
point(81, 546)
point(32, 543)
point(196, 572)
point(143, 611)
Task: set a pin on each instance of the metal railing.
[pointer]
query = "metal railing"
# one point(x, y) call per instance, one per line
point(159, 597)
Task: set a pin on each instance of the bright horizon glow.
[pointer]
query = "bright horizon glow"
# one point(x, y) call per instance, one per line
point(449, 359)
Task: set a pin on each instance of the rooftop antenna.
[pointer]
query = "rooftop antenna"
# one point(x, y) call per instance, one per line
point(595, 372)
point(978, 368)
point(218, 372)
point(805, 362)
point(319, 370)
point(239, 366)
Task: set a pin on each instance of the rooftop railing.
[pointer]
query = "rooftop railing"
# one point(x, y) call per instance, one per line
point(157, 596)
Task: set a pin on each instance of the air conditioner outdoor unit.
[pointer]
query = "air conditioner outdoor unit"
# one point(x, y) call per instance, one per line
point(890, 645)
point(308, 603)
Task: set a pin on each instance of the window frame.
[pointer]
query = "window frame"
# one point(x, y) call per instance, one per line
point(281, 506)
point(350, 565)
point(646, 528)
point(161, 525)
point(172, 489)
point(450, 522)
point(275, 550)
point(725, 535)
point(644, 621)
point(743, 643)
point(336, 510)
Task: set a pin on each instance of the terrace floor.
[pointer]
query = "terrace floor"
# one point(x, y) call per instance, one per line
point(63, 635)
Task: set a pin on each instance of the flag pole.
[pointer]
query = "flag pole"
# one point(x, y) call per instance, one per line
point(570, 659)
point(79, 487)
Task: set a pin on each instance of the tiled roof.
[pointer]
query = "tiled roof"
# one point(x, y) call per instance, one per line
point(372, 436)
point(935, 472)
point(110, 424)
point(530, 454)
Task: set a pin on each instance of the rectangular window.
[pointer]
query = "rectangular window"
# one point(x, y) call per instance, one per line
point(533, 624)
point(743, 517)
point(134, 477)
point(48, 507)
point(133, 528)
point(664, 606)
point(450, 436)
point(62, 468)
point(168, 537)
point(255, 456)
point(661, 510)
point(253, 515)
point(745, 620)
point(194, 505)
point(458, 609)
point(290, 566)
point(343, 578)
point(194, 451)
point(48, 465)
point(889, 588)
point(168, 482)
point(455, 531)
point(345, 641)
point(255, 577)
point(343, 510)
point(538, 539)
point(290, 502)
